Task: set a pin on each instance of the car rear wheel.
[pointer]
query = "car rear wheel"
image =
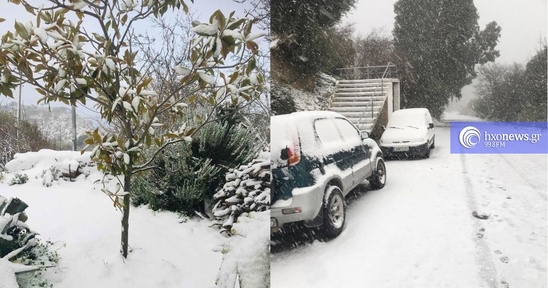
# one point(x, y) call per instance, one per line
point(379, 176)
point(334, 212)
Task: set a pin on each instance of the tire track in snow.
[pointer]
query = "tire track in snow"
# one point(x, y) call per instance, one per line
point(487, 269)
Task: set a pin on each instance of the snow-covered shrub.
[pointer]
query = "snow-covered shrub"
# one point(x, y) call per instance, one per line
point(19, 244)
point(187, 174)
point(178, 183)
point(19, 178)
point(50, 175)
point(247, 189)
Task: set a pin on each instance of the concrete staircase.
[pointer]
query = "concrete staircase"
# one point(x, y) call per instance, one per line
point(361, 101)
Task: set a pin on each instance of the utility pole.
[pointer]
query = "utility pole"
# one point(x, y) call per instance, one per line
point(19, 117)
point(74, 138)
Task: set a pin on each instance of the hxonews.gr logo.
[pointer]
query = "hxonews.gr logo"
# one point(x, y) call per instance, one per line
point(499, 137)
point(469, 137)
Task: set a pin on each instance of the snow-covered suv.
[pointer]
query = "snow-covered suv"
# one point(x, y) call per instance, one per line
point(317, 158)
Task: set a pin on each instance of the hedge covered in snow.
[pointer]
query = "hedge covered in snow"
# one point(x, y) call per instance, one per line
point(247, 189)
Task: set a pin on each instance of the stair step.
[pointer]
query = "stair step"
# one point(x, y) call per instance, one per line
point(367, 91)
point(361, 94)
point(355, 98)
point(356, 105)
point(356, 86)
point(356, 108)
point(358, 114)
point(355, 102)
point(360, 98)
point(364, 80)
point(362, 91)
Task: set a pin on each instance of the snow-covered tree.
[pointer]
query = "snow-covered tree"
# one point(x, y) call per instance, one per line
point(303, 35)
point(512, 92)
point(536, 88)
point(78, 51)
point(442, 42)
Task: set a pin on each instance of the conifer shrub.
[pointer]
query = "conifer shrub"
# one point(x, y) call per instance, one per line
point(186, 175)
point(18, 178)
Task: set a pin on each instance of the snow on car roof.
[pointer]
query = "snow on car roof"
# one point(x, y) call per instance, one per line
point(410, 111)
point(284, 127)
point(412, 116)
point(303, 115)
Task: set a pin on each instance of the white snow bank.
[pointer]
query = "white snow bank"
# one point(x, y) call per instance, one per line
point(46, 158)
point(164, 250)
point(7, 275)
point(246, 259)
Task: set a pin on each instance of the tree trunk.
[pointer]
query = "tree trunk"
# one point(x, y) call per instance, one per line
point(125, 216)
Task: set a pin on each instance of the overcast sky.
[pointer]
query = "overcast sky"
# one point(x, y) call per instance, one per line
point(523, 23)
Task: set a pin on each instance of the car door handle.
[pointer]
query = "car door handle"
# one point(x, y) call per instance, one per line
point(328, 160)
point(321, 166)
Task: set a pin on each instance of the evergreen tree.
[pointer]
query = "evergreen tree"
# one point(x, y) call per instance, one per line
point(535, 75)
point(512, 93)
point(306, 28)
point(442, 42)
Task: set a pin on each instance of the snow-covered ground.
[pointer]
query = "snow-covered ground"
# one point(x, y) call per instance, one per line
point(419, 231)
point(165, 250)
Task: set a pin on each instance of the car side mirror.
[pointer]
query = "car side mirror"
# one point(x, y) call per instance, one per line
point(431, 125)
point(383, 128)
point(364, 134)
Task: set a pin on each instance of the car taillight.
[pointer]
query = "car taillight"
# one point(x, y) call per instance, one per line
point(294, 149)
point(294, 155)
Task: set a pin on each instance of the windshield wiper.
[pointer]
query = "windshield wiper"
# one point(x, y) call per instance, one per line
point(412, 126)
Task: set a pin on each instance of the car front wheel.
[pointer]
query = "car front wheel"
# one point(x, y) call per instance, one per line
point(334, 212)
point(379, 176)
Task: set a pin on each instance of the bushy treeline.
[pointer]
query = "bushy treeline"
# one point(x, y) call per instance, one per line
point(29, 138)
point(513, 92)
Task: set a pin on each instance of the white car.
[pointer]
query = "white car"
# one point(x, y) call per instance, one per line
point(409, 132)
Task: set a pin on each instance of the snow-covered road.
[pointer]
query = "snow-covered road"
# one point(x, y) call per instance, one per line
point(419, 230)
